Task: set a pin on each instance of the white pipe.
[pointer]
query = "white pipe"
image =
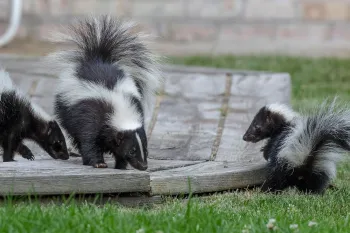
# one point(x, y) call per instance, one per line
point(15, 19)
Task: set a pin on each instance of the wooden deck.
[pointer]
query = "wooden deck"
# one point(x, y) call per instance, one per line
point(195, 134)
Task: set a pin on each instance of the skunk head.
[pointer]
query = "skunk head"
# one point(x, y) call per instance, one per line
point(127, 145)
point(269, 120)
point(53, 141)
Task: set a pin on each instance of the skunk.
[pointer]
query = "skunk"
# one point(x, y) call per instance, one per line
point(106, 86)
point(20, 119)
point(302, 149)
point(72, 151)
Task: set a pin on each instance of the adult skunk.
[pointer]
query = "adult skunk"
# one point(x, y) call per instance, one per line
point(106, 85)
point(302, 149)
point(20, 119)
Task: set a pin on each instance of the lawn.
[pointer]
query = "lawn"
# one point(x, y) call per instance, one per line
point(237, 211)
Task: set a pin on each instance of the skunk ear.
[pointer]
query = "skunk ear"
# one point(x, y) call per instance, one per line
point(52, 125)
point(120, 135)
point(269, 117)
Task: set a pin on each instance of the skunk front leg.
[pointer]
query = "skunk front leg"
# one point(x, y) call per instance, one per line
point(92, 155)
point(275, 182)
point(120, 163)
point(9, 145)
point(25, 152)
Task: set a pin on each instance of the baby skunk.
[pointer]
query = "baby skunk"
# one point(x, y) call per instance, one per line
point(19, 119)
point(302, 150)
point(106, 85)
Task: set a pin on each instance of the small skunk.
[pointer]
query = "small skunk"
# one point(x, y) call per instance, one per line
point(106, 85)
point(302, 150)
point(20, 119)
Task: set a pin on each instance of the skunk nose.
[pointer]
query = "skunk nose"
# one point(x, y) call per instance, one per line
point(143, 167)
point(245, 137)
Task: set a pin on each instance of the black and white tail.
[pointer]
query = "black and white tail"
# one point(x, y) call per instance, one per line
point(322, 134)
point(112, 41)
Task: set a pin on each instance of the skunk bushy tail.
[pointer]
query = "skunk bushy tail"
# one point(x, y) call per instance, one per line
point(112, 41)
point(309, 150)
point(322, 133)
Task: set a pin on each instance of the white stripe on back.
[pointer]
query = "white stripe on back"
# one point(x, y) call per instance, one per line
point(141, 147)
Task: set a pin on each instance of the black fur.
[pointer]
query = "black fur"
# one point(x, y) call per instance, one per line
point(87, 123)
point(18, 122)
point(100, 60)
point(100, 73)
point(324, 138)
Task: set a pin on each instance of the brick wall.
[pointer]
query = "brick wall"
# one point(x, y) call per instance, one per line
point(210, 26)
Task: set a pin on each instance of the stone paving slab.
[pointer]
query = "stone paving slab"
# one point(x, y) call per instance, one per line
point(195, 132)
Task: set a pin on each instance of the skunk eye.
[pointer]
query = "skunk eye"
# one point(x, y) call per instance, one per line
point(132, 151)
point(257, 129)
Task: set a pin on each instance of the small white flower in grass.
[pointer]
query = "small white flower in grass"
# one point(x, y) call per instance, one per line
point(293, 226)
point(271, 223)
point(246, 228)
point(311, 224)
point(140, 230)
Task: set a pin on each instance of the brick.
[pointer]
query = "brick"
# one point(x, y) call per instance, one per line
point(44, 31)
point(159, 30)
point(59, 7)
point(332, 10)
point(118, 8)
point(41, 7)
point(142, 8)
point(4, 9)
point(189, 32)
point(268, 9)
point(313, 11)
point(341, 33)
point(256, 31)
point(337, 10)
point(214, 8)
point(301, 31)
point(83, 7)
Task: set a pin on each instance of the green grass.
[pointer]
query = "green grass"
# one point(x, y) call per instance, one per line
point(239, 211)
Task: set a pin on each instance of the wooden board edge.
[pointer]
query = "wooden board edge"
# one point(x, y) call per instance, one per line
point(68, 184)
point(204, 183)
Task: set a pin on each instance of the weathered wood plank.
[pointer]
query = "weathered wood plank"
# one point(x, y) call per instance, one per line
point(207, 177)
point(248, 95)
point(188, 117)
point(24, 82)
point(47, 176)
point(33, 66)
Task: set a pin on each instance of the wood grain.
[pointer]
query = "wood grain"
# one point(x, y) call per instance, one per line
point(248, 95)
point(49, 176)
point(188, 117)
point(207, 177)
point(24, 82)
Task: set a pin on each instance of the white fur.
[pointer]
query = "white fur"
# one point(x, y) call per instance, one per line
point(6, 83)
point(125, 116)
point(298, 145)
point(40, 112)
point(141, 147)
point(283, 110)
